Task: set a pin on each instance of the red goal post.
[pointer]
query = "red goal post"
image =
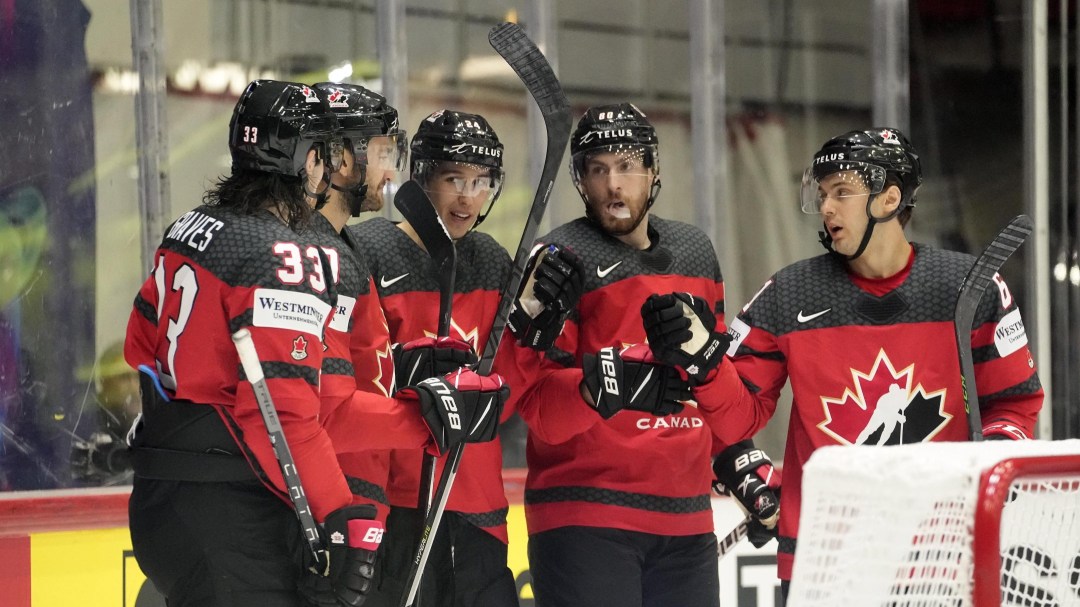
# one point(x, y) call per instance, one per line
point(949, 524)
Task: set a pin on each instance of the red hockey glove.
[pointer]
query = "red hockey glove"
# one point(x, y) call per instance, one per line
point(352, 537)
point(461, 407)
point(747, 474)
point(430, 357)
point(1003, 430)
point(632, 379)
point(554, 279)
point(681, 330)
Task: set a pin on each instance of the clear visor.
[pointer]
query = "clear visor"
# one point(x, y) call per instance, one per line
point(383, 152)
point(613, 162)
point(459, 179)
point(841, 182)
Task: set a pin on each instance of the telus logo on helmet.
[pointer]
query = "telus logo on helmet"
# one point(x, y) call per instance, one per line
point(829, 158)
point(604, 134)
point(475, 149)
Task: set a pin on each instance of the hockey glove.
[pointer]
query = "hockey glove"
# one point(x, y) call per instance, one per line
point(554, 279)
point(461, 407)
point(681, 330)
point(427, 357)
point(632, 379)
point(352, 537)
point(747, 474)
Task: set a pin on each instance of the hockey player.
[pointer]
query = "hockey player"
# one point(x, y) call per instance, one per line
point(457, 159)
point(210, 519)
point(617, 496)
point(865, 327)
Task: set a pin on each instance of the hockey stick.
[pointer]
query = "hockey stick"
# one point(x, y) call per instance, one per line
point(532, 67)
point(734, 536)
point(416, 207)
point(249, 358)
point(972, 289)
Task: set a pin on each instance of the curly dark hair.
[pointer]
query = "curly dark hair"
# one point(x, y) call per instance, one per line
point(248, 192)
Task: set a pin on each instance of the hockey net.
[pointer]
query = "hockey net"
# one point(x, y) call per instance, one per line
point(940, 524)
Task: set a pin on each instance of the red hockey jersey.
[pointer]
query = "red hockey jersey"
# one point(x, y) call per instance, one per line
point(409, 292)
point(214, 273)
point(634, 471)
point(869, 368)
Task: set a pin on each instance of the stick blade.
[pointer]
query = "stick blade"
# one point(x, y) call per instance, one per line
point(510, 41)
point(415, 206)
point(992, 259)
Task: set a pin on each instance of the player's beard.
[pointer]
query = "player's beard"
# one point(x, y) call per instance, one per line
point(614, 224)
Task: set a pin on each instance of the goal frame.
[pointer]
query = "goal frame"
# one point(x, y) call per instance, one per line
point(994, 484)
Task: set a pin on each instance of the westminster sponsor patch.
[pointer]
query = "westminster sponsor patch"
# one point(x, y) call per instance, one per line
point(738, 330)
point(278, 309)
point(1009, 335)
point(342, 313)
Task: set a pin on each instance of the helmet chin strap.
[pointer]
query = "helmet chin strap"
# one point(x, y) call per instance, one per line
point(826, 240)
point(318, 195)
point(354, 196)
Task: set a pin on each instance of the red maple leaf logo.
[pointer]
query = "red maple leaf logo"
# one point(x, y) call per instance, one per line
point(875, 407)
point(299, 348)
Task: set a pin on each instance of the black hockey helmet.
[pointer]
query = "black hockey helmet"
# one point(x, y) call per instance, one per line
point(369, 127)
point(275, 123)
point(876, 155)
point(459, 137)
point(620, 128)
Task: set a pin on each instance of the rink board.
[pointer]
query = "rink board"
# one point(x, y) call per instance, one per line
point(73, 548)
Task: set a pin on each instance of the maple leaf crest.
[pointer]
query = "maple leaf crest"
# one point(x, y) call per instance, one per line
point(299, 348)
point(883, 407)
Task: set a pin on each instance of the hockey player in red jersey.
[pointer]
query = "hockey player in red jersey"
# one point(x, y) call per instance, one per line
point(863, 333)
point(210, 519)
point(617, 496)
point(457, 159)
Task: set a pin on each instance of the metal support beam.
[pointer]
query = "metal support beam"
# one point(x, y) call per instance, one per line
point(151, 126)
point(540, 23)
point(708, 138)
point(1037, 197)
point(892, 91)
point(390, 44)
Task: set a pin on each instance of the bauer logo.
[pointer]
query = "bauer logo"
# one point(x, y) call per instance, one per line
point(1009, 336)
point(278, 309)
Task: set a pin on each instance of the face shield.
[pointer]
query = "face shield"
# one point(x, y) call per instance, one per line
point(839, 181)
point(382, 152)
point(445, 179)
point(618, 162)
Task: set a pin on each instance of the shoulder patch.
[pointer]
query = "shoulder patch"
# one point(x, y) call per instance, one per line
point(279, 309)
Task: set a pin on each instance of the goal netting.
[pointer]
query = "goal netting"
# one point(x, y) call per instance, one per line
point(940, 524)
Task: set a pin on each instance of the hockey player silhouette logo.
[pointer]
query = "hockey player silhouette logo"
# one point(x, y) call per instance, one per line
point(299, 348)
point(883, 407)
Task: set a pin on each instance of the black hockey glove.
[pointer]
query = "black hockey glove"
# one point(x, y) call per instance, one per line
point(552, 285)
point(461, 407)
point(747, 474)
point(681, 330)
point(427, 357)
point(632, 379)
point(352, 537)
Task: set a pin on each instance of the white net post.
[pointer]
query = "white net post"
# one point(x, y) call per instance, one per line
point(897, 526)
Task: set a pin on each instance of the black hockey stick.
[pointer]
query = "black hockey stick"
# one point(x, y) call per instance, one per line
point(972, 289)
point(416, 207)
point(249, 358)
point(534, 70)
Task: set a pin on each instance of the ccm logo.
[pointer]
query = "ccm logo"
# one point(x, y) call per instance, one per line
point(607, 367)
point(748, 458)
